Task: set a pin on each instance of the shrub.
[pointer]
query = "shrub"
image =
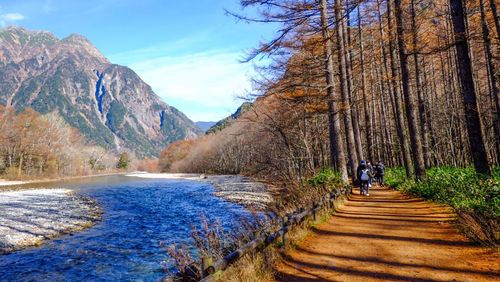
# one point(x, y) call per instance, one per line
point(293, 197)
point(394, 177)
point(326, 177)
point(123, 161)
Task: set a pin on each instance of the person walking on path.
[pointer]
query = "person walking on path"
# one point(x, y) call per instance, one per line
point(363, 174)
point(379, 173)
point(371, 173)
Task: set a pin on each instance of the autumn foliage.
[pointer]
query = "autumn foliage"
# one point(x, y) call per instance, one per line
point(397, 90)
point(32, 145)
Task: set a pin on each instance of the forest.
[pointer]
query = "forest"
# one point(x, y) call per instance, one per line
point(411, 83)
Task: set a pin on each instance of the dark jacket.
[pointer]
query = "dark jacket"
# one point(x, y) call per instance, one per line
point(380, 169)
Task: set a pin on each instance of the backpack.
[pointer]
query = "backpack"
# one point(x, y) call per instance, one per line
point(364, 175)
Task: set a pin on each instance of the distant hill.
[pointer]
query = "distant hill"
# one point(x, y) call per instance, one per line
point(110, 104)
point(205, 125)
point(220, 125)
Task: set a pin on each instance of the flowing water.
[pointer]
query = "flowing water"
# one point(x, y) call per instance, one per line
point(125, 244)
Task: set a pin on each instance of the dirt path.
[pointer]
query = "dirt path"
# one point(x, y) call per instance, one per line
point(388, 237)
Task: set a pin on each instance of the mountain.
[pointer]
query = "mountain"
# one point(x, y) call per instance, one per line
point(205, 125)
point(220, 125)
point(110, 104)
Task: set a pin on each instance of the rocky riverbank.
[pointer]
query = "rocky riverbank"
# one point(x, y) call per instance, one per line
point(28, 217)
point(234, 188)
point(4, 182)
point(8, 184)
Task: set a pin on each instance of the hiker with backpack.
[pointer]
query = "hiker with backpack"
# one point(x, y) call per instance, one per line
point(379, 173)
point(364, 175)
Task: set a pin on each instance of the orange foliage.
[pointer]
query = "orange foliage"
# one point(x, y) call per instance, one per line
point(174, 152)
point(149, 165)
point(33, 145)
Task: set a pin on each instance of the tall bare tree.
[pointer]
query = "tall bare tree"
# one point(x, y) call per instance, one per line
point(492, 81)
point(343, 78)
point(336, 144)
point(400, 123)
point(468, 91)
point(413, 127)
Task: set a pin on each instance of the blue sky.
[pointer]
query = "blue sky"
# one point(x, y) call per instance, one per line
point(188, 51)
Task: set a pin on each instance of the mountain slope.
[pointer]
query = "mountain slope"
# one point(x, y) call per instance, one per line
point(108, 103)
point(221, 124)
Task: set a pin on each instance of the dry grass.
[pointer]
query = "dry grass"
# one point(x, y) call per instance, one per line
point(480, 228)
point(254, 267)
point(212, 243)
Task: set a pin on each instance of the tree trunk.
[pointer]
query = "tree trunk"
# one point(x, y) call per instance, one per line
point(418, 87)
point(349, 56)
point(473, 121)
point(20, 168)
point(347, 114)
point(496, 20)
point(429, 91)
point(416, 142)
point(397, 98)
point(492, 81)
point(385, 74)
point(369, 133)
point(337, 157)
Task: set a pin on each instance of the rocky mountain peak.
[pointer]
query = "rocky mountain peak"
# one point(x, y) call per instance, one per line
point(21, 36)
point(108, 103)
point(79, 43)
point(77, 38)
point(18, 43)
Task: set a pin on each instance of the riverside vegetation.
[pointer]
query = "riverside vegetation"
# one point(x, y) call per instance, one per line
point(35, 146)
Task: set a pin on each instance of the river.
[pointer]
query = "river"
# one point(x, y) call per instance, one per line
point(138, 214)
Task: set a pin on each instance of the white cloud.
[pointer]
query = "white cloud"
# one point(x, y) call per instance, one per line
point(202, 85)
point(12, 17)
point(178, 46)
point(8, 18)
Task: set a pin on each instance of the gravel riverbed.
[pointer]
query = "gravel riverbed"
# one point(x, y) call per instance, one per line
point(28, 217)
point(234, 188)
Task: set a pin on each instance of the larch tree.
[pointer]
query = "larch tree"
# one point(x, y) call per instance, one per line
point(413, 122)
point(473, 122)
point(343, 80)
point(336, 143)
point(492, 72)
point(398, 104)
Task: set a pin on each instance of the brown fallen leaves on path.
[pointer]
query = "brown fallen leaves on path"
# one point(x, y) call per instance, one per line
point(388, 237)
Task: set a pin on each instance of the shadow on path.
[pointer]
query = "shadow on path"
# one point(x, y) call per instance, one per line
point(388, 237)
